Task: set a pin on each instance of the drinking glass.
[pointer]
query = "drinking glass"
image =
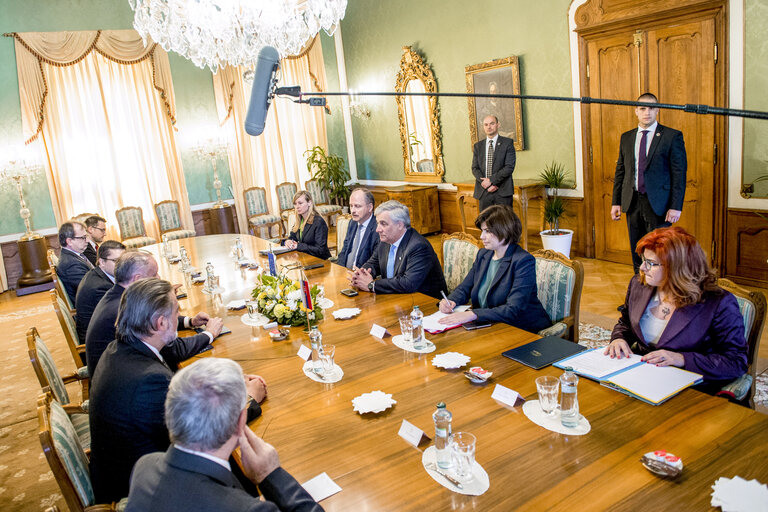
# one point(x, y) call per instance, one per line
point(406, 328)
point(253, 309)
point(463, 455)
point(548, 388)
point(327, 358)
point(214, 284)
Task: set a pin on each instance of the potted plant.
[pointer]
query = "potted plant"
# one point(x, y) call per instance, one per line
point(553, 177)
point(330, 172)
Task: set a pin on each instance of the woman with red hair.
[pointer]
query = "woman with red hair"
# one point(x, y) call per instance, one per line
point(676, 315)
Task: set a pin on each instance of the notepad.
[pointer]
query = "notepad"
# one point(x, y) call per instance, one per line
point(275, 250)
point(432, 323)
point(595, 365)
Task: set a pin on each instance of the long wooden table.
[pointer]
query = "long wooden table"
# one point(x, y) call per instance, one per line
point(315, 430)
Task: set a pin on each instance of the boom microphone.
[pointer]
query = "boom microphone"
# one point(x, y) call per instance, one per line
point(262, 91)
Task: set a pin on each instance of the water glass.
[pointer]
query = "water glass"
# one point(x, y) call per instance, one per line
point(463, 455)
point(326, 357)
point(406, 328)
point(253, 309)
point(548, 388)
point(213, 283)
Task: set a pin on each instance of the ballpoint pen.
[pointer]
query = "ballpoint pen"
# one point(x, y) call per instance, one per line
point(446, 299)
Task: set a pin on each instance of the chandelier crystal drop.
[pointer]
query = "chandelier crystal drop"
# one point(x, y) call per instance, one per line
point(218, 33)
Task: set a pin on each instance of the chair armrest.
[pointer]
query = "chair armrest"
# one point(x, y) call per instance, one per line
point(75, 409)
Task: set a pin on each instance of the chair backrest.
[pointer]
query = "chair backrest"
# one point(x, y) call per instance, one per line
point(318, 193)
point(168, 216)
point(81, 217)
point(130, 220)
point(426, 165)
point(45, 368)
point(256, 201)
point(53, 262)
point(293, 221)
point(559, 281)
point(461, 199)
point(285, 193)
point(752, 306)
point(342, 226)
point(64, 453)
point(67, 322)
point(459, 251)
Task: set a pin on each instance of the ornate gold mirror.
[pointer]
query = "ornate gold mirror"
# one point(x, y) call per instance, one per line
point(419, 124)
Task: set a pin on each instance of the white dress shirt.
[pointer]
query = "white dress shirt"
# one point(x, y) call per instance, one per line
point(220, 462)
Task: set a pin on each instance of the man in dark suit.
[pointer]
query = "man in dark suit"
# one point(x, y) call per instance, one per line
point(129, 385)
point(649, 185)
point(493, 162)
point(95, 230)
point(361, 239)
point(72, 265)
point(206, 422)
point(404, 260)
point(95, 284)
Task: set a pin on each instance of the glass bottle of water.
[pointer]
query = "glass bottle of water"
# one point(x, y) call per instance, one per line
point(316, 341)
point(238, 249)
point(442, 419)
point(417, 322)
point(569, 403)
point(166, 246)
point(208, 275)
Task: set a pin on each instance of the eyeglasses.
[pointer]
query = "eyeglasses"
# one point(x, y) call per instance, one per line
point(103, 230)
point(110, 259)
point(78, 237)
point(650, 263)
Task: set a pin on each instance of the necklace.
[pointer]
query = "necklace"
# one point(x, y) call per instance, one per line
point(665, 311)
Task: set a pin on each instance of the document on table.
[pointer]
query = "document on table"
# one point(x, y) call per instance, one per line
point(321, 487)
point(595, 365)
point(651, 383)
point(432, 323)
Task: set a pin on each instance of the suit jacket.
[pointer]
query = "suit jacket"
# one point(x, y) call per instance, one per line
point(92, 288)
point(91, 254)
point(664, 175)
point(126, 412)
point(709, 334)
point(503, 165)
point(314, 238)
point(179, 481)
point(367, 245)
point(417, 268)
point(71, 270)
point(512, 297)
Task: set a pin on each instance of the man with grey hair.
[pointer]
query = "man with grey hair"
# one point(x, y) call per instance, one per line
point(72, 265)
point(361, 239)
point(404, 261)
point(206, 419)
point(131, 381)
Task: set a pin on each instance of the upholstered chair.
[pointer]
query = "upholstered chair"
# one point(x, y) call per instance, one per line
point(169, 220)
point(459, 251)
point(259, 218)
point(53, 262)
point(130, 220)
point(321, 201)
point(68, 325)
point(285, 192)
point(559, 281)
point(342, 226)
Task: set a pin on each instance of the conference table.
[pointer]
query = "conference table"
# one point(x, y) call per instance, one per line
point(314, 428)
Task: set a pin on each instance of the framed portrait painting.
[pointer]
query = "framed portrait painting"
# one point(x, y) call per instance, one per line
point(500, 76)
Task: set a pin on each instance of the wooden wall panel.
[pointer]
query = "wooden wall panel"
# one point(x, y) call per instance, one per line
point(746, 247)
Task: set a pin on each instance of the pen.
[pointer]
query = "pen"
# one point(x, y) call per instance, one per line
point(446, 298)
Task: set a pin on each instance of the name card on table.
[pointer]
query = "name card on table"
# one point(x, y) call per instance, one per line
point(411, 433)
point(505, 395)
point(304, 352)
point(321, 487)
point(378, 331)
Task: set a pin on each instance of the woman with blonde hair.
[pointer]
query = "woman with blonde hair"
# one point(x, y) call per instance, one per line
point(311, 235)
point(676, 315)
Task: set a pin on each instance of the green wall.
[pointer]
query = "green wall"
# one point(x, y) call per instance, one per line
point(755, 85)
point(451, 34)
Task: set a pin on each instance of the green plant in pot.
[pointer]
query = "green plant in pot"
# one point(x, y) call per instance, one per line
point(554, 177)
point(330, 172)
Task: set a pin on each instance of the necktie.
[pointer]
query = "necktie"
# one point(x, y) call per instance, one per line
point(489, 160)
point(391, 262)
point(355, 246)
point(642, 162)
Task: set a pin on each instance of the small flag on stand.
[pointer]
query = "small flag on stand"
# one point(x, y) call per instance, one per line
point(272, 263)
point(306, 296)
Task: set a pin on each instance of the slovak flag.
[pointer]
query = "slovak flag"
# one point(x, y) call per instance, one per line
point(306, 296)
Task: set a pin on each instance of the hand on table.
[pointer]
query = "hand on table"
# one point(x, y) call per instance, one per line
point(199, 319)
point(664, 358)
point(256, 387)
point(360, 278)
point(291, 244)
point(458, 318)
point(446, 306)
point(259, 458)
point(617, 349)
point(214, 326)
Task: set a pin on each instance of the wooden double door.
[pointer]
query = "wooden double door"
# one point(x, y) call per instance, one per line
point(676, 59)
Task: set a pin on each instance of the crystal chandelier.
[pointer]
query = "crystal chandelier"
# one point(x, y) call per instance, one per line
point(217, 33)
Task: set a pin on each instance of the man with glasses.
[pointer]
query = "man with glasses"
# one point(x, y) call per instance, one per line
point(95, 230)
point(72, 265)
point(96, 283)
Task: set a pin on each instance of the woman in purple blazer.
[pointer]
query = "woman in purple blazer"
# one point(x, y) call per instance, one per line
point(676, 315)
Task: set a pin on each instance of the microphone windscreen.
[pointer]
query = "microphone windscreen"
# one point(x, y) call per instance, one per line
point(262, 80)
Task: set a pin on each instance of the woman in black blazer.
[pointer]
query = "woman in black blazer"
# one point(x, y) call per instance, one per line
point(502, 281)
point(311, 235)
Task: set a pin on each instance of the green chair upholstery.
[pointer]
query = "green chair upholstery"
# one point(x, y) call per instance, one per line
point(67, 322)
point(259, 217)
point(559, 281)
point(459, 251)
point(53, 262)
point(285, 192)
point(342, 226)
point(169, 221)
point(130, 220)
point(321, 201)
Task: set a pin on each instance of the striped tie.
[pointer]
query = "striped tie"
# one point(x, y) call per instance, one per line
point(489, 160)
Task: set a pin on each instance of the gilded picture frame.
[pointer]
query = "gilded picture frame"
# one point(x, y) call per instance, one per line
point(500, 76)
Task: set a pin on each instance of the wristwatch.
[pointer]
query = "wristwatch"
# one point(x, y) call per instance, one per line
point(370, 286)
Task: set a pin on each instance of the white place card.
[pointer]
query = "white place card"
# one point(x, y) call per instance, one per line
point(304, 352)
point(378, 331)
point(411, 433)
point(321, 487)
point(505, 395)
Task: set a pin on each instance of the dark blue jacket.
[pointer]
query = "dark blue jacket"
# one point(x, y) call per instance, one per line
point(314, 238)
point(71, 270)
point(512, 297)
point(367, 245)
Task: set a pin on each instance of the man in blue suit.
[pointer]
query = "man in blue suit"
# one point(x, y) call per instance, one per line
point(649, 185)
point(361, 239)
